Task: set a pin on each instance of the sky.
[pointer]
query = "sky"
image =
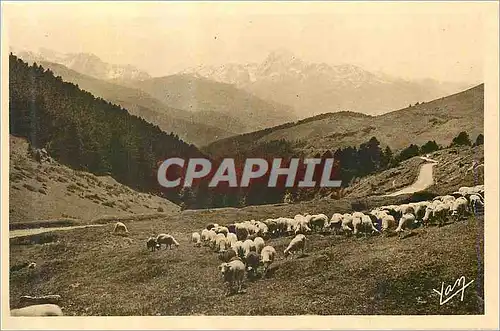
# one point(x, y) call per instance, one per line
point(442, 41)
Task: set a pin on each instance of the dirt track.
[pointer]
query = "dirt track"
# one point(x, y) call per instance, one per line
point(424, 180)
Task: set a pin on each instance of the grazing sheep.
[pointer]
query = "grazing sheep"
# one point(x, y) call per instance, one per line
point(204, 236)
point(267, 256)
point(210, 226)
point(259, 244)
point(211, 238)
point(38, 310)
point(475, 202)
point(336, 222)
point(226, 256)
point(233, 273)
point(167, 240)
point(239, 249)
point(440, 213)
point(459, 208)
point(356, 225)
point(220, 243)
point(428, 215)
point(249, 246)
point(252, 262)
point(405, 222)
point(120, 228)
point(32, 265)
point(388, 222)
point(347, 226)
point(297, 243)
point(196, 239)
point(152, 244)
point(367, 225)
point(318, 221)
point(231, 238)
point(302, 224)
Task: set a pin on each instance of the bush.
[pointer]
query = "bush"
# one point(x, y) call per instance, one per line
point(479, 140)
point(160, 209)
point(461, 140)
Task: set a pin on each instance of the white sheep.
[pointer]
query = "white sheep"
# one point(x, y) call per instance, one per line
point(475, 202)
point(120, 228)
point(239, 249)
point(233, 273)
point(347, 226)
point(220, 242)
point(336, 222)
point(388, 222)
point(167, 240)
point(459, 208)
point(297, 243)
point(259, 244)
point(196, 239)
point(367, 225)
point(267, 256)
point(317, 221)
point(405, 222)
point(38, 310)
point(249, 246)
point(231, 238)
point(211, 238)
point(205, 236)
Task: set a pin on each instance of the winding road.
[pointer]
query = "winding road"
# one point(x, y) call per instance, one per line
point(424, 180)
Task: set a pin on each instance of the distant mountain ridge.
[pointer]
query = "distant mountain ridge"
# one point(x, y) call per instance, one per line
point(314, 88)
point(85, 63)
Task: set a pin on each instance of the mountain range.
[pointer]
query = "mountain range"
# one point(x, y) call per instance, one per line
point(314, 88)
point(85, 63)
point(208, 103)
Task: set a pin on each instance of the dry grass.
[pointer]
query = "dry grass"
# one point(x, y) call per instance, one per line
point(100, 274)
point(52, 190)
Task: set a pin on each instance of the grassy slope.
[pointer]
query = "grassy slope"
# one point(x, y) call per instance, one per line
point(439, 120)
point(53, 191)
point(99, 274)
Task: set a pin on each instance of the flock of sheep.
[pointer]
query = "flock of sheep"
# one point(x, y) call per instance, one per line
point(242, 248)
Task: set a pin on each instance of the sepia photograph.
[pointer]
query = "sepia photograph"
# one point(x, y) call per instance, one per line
point(293, 160)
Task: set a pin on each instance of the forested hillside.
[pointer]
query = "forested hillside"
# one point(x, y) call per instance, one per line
point(85, 132)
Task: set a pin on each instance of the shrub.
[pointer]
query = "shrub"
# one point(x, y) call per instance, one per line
point(461, 140)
